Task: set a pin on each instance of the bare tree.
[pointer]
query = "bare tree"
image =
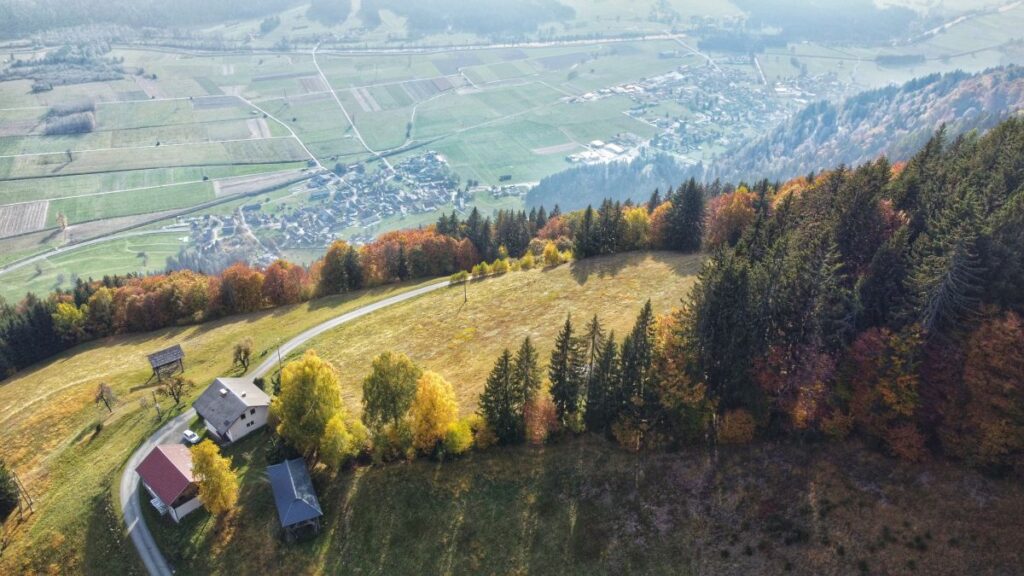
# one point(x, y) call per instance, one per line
point(243, 352)
point(105, 394)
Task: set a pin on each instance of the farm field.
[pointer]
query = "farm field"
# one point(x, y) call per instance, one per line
point(144, 253)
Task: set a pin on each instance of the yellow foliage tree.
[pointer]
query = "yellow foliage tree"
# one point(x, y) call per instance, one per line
point(433, 412)
point(344, 438)
point(218, 483)
point(310, 397)
point(551, 255)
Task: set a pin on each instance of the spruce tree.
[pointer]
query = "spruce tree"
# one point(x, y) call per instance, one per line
point(604, 397)
point(526, 370)
point(686, 218)
point(565, 373)
point(637, 359)
point(501, 403)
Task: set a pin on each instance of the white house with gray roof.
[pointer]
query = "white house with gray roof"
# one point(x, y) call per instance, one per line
point(233, 408)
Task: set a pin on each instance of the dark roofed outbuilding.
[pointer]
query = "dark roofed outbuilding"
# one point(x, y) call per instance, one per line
point(167, 361)
point(294, 497)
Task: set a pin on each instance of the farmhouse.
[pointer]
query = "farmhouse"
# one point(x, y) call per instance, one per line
point(295, 498)
point(232, 408)
point(167, 475)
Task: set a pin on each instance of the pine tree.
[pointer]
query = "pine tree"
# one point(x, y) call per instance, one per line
point(585, 238)
point(565, 373)
point(501, 403)
point(526, 370)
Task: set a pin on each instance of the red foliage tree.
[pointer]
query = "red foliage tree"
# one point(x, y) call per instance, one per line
point(283, 283)
point(241, 289)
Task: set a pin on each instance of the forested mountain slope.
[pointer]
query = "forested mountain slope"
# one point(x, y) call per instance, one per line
point(894, 121)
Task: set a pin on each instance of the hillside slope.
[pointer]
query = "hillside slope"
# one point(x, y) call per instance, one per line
point(895, 121)
point(48, 415)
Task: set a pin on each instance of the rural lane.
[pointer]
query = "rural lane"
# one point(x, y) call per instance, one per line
point(131, 504)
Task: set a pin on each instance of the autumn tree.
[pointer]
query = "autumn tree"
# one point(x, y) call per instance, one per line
point(434, 410)
point(310, 397)
point(341, 270)
point(882, 371)
point(69, 322)
point(218, 483)
point(389, 389)
point(241, 289)
point(540, 418)
point(242, 353)
point(343, 440)
point(988, 428)
point(176, 388)
point(283, 283)
point(686, 409)
point(728, 216)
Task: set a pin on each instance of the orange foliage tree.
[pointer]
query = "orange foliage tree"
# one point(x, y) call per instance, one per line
point(241, 289)
point(882, 372)
point(283, 283)
point(990, 429)
point(728, 215)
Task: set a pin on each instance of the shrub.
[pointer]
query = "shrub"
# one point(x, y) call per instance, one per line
point(459, 438)
point(483, 436)
point(540, 417)
point(393, 442)
point(527, 262)
point(460, 277)
point(500, 267)
point(551, 255)
point(738, 427)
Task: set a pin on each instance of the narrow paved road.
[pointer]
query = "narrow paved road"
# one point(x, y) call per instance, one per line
point(131, 504)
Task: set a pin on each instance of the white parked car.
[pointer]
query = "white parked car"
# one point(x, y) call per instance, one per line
point(191, 437)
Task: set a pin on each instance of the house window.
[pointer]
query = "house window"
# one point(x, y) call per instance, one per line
point(249, 424)
point(243, 415)
point(252, 411)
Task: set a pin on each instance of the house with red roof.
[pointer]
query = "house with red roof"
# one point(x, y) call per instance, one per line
point(167, 475)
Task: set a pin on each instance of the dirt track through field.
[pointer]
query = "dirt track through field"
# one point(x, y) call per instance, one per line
point(258, 128)
point(225, 187)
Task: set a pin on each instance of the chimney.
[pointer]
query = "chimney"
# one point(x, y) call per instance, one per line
point(223, 392)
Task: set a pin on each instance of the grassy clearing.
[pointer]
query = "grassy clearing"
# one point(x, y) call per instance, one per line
point(47, 419)
point(462, 340)
point(584, 506)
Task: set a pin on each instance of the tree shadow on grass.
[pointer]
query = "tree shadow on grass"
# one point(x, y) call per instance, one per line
point(107, 549)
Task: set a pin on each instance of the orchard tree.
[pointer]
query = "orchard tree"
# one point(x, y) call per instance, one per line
point(389, 389)
point(176, 388)
point(218, 483)
point(243, 352)
point(106, 395)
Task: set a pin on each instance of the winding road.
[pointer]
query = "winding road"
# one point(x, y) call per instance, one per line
point(131, 504)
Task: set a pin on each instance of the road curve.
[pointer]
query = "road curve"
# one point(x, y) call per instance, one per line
point(135, 524)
